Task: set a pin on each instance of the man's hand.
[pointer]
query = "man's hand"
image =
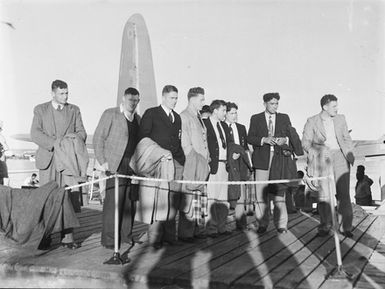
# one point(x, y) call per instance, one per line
point(71, 135)
point(236, 156)
point(280, 141)
point(269, 140)
point(104, 167)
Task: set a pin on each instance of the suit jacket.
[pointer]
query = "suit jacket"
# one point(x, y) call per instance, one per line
point(156, 125)
point(43, 130)
point(213, 144)
point(194, 136)
point(313, 142)
point(258, 129)
point(111, 137)
point(241, 133)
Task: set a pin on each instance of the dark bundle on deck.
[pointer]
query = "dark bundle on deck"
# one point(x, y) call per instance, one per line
point(28, 215)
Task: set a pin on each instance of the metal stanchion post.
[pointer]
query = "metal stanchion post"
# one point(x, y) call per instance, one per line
point(339, 273)
point(116, 259)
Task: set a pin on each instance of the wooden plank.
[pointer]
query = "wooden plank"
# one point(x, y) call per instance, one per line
point(307, 259)
point(356, 259)
point(283, 261)
point(318, 275)
point(220, 252)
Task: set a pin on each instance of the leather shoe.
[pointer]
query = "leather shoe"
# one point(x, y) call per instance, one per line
point(72, 245)
point(282, 230)
point(186, 240)
point(172, 243)
point(157, 245)
point(347, 234)
point(261, 230)
point(322, 233)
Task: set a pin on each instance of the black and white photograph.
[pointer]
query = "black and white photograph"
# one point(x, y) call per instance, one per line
point(165, 144)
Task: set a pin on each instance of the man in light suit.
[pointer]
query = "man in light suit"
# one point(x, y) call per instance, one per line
point(267, 130)
point(115, 140)
point(163, 125)
point(329, 148)
point(53, 121)
point(194, 139)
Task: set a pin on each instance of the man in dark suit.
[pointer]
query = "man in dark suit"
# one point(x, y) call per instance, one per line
point(218, 139)
point(163, 125)
point(115, 140)
point(267, 130)
point(52, 122)
point(238, 135)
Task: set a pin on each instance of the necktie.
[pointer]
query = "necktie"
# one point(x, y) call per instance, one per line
point(200, 119)
point(231, 133)
point(170, 117)
point(59, 107)
point(221, 136)
point(270, 126)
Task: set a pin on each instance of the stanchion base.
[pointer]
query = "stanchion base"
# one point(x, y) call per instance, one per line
point(339, 273)
point(116, 259)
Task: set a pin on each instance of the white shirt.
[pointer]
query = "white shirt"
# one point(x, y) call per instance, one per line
point(128, 117)
point(222, 151)
point(168, 111)
point(331, 139)
point(267, 117)
point(235, 132)
point(56, 105)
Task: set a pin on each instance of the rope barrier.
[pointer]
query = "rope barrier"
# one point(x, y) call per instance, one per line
point(137, 178)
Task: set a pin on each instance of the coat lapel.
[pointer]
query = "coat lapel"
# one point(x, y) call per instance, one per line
point(164, 116)
point(321, 126)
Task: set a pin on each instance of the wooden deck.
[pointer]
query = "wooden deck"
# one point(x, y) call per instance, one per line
point(297, 259)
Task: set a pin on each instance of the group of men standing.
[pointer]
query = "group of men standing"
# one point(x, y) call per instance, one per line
point(206, 150)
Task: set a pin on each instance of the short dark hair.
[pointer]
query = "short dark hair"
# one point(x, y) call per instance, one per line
point(231, 105)
point(169, 88)
point(194, 91)
point(269, 96)
point(58, 84)
point(131, 91)
point(360, 168)
point(34, 175)
point(217, 104)
point(328, 98)
point(205, 108)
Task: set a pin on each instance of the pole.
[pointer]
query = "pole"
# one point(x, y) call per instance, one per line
point(116, 223)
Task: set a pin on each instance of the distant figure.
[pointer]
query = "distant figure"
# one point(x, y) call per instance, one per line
point(363, 193)
point(115, 140)
point(57, 128)
point(31, 181)
point(205, 112)
point(329, 148)
point(3, 164)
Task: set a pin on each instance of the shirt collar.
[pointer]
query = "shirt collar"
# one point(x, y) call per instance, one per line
point(267, 114)
point(56, 105)
point(124, 113)
point(166, 109)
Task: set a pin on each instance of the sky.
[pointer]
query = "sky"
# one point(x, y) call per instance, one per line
point(236, 50)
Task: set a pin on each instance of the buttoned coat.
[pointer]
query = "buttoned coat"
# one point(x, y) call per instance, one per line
point(43, 130)
point(111, 138)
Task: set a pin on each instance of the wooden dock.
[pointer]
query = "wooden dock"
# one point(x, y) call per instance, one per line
point(244, 259)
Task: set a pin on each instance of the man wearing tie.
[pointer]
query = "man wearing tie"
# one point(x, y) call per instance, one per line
point(266, 131)
point(163, 125)
point(217, 139)
point(238, 135)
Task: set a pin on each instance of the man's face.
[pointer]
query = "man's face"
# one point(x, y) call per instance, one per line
point(232, 115)
point(130, 102)
point(331, 108)
point(60, 95)
point(169, 99)
point(271, 106)
point(220, 112)
point(198, 101)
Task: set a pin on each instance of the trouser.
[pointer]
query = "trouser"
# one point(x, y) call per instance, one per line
point(218, 206)
point(160, 231)
point(240, 209)
point(341, 171)
point(262, 206)
point(188, 228)
point(126, 208)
